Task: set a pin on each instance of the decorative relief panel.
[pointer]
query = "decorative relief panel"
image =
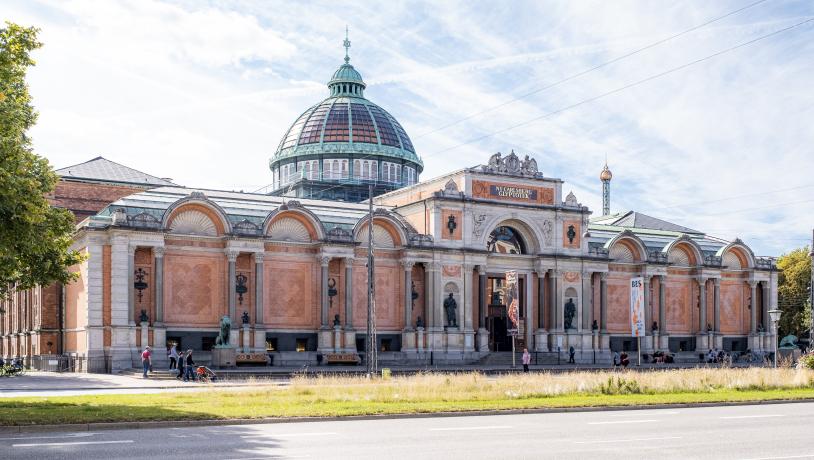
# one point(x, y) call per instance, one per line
point(451, 271)
point(548, 233)
point(381, 237)
point(571, 234)
point(733, 302)
point(512, 192)
point(680, 302)
point(291, 293)
point(451, 224)
point(571, 277)
point(621, 253)
point(194, 288)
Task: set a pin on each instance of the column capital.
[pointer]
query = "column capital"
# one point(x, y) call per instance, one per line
point(259, 257)
point(553, 273)
point(407, 264)
point(324, 260)
point(158, 252)
point(481, 269)
point(661, 278)
point(702, 279)
point(434, 266)
point(753, 283)
point(603, 276)
point(231, 255)
point(131, 250)
point(349, 261)
point(717, 281)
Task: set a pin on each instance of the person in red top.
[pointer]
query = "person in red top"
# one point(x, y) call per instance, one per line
point(146, 360)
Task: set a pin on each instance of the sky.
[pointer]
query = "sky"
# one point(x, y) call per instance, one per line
point(695, 132)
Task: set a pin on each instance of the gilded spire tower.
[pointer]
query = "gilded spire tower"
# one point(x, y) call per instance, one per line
point(605, 176)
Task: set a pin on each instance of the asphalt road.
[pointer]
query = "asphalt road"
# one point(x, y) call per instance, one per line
point(767, 432)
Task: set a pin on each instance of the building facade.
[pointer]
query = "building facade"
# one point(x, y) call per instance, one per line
point(166, 263)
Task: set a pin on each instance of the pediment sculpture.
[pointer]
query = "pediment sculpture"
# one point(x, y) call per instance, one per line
point(511, 165)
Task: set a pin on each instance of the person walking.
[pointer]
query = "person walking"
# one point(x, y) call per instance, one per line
point(190, 372)
point(526, 359)
point(571, 353)
point(146, 360)
point(173, 354)
point(181, 365)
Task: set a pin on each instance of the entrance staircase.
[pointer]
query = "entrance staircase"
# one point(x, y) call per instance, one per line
point(162, 374)
point(504, 359)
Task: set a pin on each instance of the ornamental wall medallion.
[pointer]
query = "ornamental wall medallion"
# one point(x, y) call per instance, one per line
point(571, 277)
point(452, 271)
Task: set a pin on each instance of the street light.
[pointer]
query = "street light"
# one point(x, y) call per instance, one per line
point(774, 316)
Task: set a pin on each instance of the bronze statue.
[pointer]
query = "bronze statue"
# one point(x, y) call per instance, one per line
point(570, 311)
point(450, 305)
point(225, 327)
point(336, 320)
point(245, 317)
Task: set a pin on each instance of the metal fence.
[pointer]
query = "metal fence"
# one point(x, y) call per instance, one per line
point(56, 363)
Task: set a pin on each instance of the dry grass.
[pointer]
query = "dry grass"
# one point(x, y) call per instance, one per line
point(424, 393)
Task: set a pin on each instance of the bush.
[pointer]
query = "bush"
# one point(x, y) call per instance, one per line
point(620, 386)
point(807, 360)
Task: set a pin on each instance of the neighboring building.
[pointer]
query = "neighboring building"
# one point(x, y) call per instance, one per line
point(34, 321)
point(165, 264)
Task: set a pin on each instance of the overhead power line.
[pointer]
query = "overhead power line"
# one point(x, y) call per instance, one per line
point(587, 71)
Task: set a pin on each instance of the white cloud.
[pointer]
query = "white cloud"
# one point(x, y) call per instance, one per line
point(203, 92)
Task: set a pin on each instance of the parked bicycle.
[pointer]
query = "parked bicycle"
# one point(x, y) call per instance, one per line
point(10, 369)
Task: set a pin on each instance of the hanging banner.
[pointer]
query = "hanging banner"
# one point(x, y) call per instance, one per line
point(512, 299)
point(637, 307)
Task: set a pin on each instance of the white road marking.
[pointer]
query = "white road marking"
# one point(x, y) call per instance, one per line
point(67, 436)
point(628, 440)
point(82, 443)
point(462, 428)
point(638, 413)
point(621, 421)
point(286, 435)
point(781, 458)
point(750, 416)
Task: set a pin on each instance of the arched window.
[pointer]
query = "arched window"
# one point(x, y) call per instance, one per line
point(357, 165)
point(335, 168)
point(505, 240)
point(366, 170)
point(308, 170)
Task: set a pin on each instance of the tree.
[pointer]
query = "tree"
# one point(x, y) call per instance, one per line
point(35, 238)
point(793, 287)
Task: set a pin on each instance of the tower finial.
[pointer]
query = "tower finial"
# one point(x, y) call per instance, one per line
point(346, 44)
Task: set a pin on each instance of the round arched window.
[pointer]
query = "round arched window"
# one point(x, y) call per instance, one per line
point(505, 240)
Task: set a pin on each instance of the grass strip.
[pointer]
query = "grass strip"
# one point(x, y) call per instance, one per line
point(294, 402)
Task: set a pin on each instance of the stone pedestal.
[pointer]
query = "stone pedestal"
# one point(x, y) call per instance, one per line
point(145, 334)
point(337, 339)
point(408, 341)
point(224, 357)
point(540, 340)
point(604, 342)
point(455, 339)
point(246, 339)
point(483, 340)
point(259, 340)
point(234, 337)
point(656, 341)
point(325, 340)
point(647, 344)
point(469, 340)
point(595, 339)
point(761, 342)
point(350, 341)
point(702, 343)
point(419, 338)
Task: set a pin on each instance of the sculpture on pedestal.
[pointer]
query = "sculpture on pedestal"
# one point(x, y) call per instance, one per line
point(225, 328)
point(570, 312)
point(450, 305)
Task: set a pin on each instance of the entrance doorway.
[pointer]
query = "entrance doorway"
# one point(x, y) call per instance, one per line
point(497, 317)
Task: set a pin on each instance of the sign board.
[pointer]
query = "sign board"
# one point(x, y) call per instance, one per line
point(637, 326)
point(513, 332)
point(512, 299)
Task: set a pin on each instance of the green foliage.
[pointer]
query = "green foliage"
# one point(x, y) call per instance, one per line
point(793, 292)
point(35, 238)
point(807, 360)
point(620, 386)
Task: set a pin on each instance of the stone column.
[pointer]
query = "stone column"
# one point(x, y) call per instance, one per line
point(482, 305)
point(587, 300)
point(702, 315)
point(716, 299)
point(348, 293)
point(529, 311)
point(765, 307)
point(753, 307)
point(603, 303)
point(408, 294)
point(647, 341)
point(662, 306)
point(323, 291)
point(429, 316)
point(231, 257)
point(259, 303)
point(541, 293)
point(131, 292)
point(158, 282)
point(553, 324)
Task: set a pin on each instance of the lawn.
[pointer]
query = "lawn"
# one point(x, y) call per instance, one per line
point(426, 393)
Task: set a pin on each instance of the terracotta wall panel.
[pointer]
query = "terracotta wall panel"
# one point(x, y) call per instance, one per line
point(619, 303)
point(292, 293)
point(733, 303)
point(680, 301)
point(194, 291)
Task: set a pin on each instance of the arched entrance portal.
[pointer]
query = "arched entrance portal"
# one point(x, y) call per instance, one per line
point(504, 239)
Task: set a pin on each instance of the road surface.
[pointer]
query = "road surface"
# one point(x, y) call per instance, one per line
point(766, 432)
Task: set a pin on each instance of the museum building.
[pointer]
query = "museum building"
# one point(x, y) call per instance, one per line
point(165, 262)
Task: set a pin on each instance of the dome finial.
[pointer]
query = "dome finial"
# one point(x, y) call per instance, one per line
point(346, 44)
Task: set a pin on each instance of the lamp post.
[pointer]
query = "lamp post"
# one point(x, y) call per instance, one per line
point(774, 316)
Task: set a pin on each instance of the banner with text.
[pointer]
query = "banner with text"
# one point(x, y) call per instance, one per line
point(637, 307)
point(512, 299)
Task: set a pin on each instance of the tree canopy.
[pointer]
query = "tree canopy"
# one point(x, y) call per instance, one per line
point(35, 238)
point(793, 292)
